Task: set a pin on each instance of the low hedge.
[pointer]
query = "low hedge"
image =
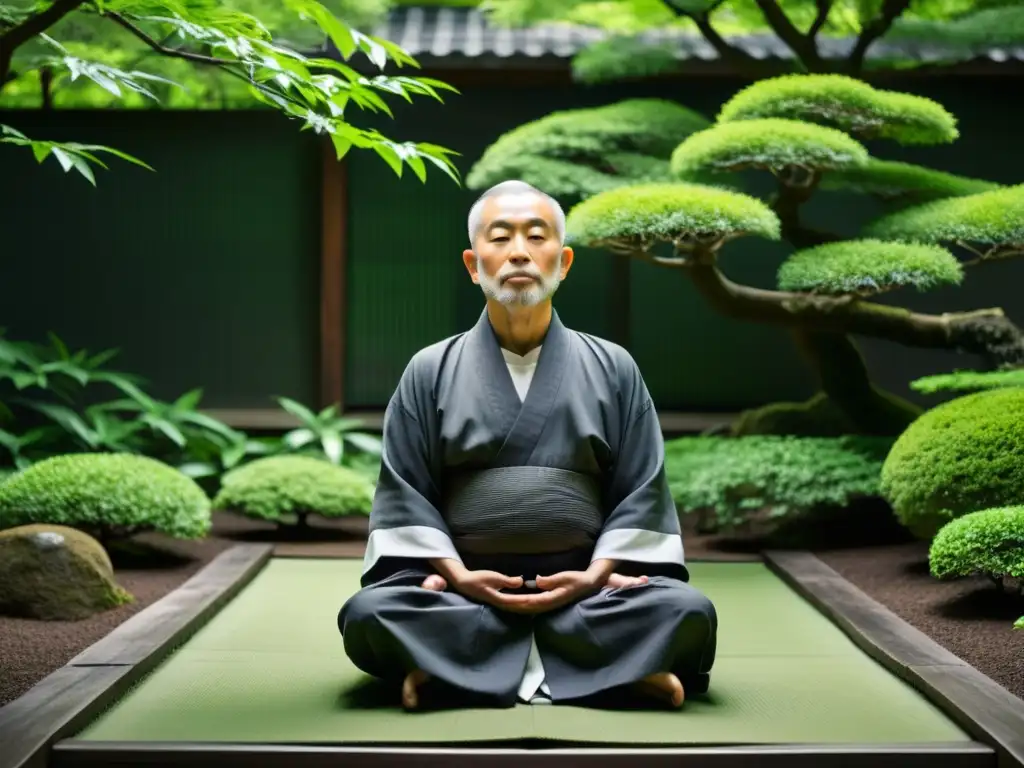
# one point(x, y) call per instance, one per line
point(108, 495)
point(732, 482)
point(989, 543)
point(959, 457)
point(287, 489)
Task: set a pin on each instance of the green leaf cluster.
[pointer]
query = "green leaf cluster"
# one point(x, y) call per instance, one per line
point(981, 28)
point(866, 267)
point(989, 542)
point(847, 104)
point(107, 495)
point(733, 482)
point(769, 144)
point(959, 457)
point(580, 152)
point(969, 381)
point(987, 218)
point(649, 213)
point(238, 47)
point(288, 488)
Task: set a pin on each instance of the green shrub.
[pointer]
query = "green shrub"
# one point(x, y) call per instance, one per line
point(108, 495)
point(731, 482)
point(289, 488)
point(867, 267)
point(846, 104)
point(665, 212)
point(989, 543)
point(959, 457)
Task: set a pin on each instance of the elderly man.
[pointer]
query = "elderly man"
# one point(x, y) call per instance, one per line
point(523, 543)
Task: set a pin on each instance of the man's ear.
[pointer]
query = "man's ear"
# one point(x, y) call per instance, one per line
point(567, 259)
point(469, 259)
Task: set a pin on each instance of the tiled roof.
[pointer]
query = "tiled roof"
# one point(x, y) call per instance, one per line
point(432, 34)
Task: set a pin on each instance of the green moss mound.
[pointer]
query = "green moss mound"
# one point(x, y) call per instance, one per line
point(580, 152)
point(287, 489)
point(866, 267)
point(109, 495)
point(989, 543)
point(959, 457)
point(737, 482)
point(665, 212)
point(846, 104)
point(905, 183)
point(769, 144)
point(55, 573)
point(969, 381)
point(989, 218)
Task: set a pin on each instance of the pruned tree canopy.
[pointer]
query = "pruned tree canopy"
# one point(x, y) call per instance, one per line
point(847, 104)
point(904, 183)
point(992, 219)
point(769, 144)
point(969, 381)
point(643, 215)
point(868, 267)
point(581, 152)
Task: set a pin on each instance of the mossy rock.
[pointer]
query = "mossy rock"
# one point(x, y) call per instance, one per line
point(108, 495)
point(55, 573)
point(286, 489)
point(959, 457)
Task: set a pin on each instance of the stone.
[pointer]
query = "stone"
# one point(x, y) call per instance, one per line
point(55, 573)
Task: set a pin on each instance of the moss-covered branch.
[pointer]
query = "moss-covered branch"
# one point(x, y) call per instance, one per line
point(986, 332)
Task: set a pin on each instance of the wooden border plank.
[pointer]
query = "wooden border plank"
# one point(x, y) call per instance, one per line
point(333, 274)
point(71, 696)
point(170, 755)
point(58, 704)
point(146, 637)
point(982, 707)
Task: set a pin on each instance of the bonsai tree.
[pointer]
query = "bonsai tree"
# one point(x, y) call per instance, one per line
point(681, 208)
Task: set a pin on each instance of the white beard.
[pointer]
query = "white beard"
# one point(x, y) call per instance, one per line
point(519, 296)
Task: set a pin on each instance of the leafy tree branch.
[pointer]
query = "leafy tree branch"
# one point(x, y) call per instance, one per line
point(30, 27)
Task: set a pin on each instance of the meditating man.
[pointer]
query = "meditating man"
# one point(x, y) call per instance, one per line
point(523, 543)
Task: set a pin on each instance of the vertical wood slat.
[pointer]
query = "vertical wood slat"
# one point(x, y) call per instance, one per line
point(333, 273)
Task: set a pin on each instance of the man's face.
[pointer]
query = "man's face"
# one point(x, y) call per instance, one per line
point(518, 259)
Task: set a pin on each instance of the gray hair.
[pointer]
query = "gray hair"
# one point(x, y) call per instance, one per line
point(513, 187)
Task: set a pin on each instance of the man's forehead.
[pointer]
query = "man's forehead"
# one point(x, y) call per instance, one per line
point(518, 208)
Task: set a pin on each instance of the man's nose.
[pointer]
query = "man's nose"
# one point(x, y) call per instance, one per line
point(519, 257)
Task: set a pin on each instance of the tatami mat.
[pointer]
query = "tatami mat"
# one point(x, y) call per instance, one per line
point(270, 668)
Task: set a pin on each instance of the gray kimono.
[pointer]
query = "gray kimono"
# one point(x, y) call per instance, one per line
point(571, 474)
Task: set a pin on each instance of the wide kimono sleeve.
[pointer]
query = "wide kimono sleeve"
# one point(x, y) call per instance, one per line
point(406, 526)
point(642, 529)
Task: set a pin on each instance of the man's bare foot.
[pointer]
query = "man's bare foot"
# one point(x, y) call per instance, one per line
point(410, 694)
point(665, 686)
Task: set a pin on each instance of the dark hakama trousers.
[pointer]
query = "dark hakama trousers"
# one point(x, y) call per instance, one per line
point(595, 646)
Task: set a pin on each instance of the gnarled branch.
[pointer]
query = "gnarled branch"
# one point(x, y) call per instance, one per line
point(15, 36)
point(891, 10)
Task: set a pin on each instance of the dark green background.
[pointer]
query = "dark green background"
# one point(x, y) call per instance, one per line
point(206, 273)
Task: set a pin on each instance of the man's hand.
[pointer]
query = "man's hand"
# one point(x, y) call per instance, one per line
point(481, 586)
point(560, 589)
